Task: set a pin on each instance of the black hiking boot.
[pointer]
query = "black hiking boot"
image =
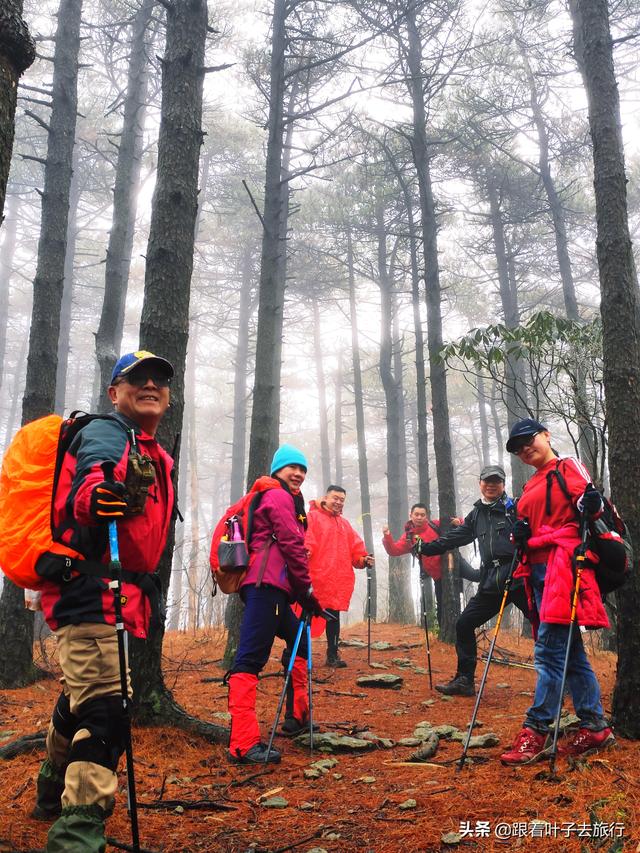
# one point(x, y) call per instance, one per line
point(460, 685)
point(257, 755)
point(292, 727)
point(336, 662)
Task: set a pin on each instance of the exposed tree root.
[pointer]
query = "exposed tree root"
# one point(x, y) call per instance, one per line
point(28, 743)
point(159, 708)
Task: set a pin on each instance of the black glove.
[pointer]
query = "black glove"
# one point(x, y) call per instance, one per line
point(108, 501)
point(311, 604)
point(426, 549)
point(520, 533)
point(591, 500)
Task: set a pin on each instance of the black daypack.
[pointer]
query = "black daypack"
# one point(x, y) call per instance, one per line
point(608, 537)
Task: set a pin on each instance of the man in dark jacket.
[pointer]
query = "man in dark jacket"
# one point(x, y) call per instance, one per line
point(489, 522)
point(114, 469)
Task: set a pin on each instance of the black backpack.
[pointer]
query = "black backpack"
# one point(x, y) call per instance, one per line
point(608, 537)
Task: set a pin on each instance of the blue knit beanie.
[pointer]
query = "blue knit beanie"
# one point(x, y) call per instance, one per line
point(287, 455)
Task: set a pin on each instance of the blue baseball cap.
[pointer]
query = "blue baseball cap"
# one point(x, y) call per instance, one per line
point(126, 363)
point(521, 429)
point(287, 455)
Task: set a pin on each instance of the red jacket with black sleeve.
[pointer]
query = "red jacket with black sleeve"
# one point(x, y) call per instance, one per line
point(431, 565)
point(100, 452)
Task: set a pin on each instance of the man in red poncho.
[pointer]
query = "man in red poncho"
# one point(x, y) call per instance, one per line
point(335, 549)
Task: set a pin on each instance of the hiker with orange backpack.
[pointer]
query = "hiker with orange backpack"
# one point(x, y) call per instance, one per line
point(113, 470)
point(277, 575)
point(335, 549)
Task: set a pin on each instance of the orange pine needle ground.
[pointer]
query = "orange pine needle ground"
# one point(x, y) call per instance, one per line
point(345, 810)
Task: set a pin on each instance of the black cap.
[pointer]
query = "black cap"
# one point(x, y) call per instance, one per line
point(492, 471)
point(521, 429)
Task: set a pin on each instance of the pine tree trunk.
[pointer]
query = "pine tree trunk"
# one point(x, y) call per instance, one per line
point(265, 416)
point(515, 391)
point(437, 370)
point(17, 52)
point(424, 485)
point(337, 448)
point(621, 333)
point(234, 607)
point(16, 623)
point(484, 424)
point(125, 200)
point(323, 418)
point(363, 467)
point(164, 327)
point(64, 338)
point(400, 603)
point(7, 252)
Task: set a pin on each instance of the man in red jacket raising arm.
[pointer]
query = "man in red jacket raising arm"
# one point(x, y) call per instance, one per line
point(419, 526)
point(335, 549)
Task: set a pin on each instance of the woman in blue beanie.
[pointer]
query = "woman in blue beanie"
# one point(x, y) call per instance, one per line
point(278, 575)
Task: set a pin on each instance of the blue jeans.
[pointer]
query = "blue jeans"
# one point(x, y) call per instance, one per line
point(549, 655)
point(267, 615)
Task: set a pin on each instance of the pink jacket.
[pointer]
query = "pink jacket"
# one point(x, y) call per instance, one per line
point(335, 549)
point(559, 580)
point(286, 563)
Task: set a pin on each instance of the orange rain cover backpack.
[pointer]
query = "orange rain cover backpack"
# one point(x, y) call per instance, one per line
point(30, 470)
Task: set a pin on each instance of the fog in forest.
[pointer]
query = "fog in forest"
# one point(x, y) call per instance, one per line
point(435, 177)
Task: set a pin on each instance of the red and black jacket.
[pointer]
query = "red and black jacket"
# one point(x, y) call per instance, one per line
point(100, 452)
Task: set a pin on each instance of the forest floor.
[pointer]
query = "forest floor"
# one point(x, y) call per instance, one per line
point(356, 806)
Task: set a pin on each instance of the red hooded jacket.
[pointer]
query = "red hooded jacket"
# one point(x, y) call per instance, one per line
point(335, 549)
point(559, 581)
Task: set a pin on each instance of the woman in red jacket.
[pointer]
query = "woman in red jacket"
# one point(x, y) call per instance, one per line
point(547, 531)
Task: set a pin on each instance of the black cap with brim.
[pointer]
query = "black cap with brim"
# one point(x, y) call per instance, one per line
point(492, 471)
point(522, 429)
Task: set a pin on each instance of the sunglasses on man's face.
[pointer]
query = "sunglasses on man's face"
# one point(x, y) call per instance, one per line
point(140, 379)
point(525, 442)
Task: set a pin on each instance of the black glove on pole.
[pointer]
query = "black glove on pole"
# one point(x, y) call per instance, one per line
point(591, 500)
point(108, 501)
point(116, 573)
point(520, 533)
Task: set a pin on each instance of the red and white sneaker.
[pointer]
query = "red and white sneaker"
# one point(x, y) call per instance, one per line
point(527, 748)
point(586, 742)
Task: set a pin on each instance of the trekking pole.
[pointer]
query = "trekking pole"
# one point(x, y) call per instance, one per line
point(309, 673)
point(369, 615)
point(425, 620)
point(115, 568)
point(579, 559)
point(304, 622)
point(503, 604)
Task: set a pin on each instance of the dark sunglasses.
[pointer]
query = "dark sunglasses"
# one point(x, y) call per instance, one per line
point(139, 380)
point(525, 442)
